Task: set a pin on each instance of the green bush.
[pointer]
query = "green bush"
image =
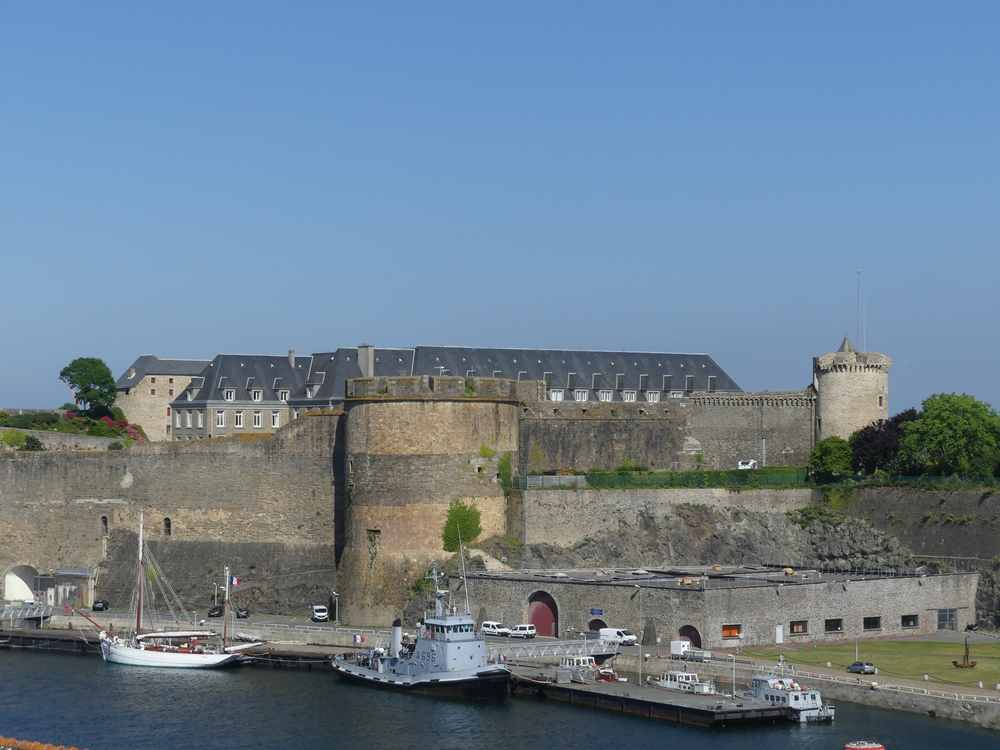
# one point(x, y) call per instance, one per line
point(466, 517)
point(505, 472)
point(5, 419)
point(116, 446)
point(31, 443)
point(13, 438)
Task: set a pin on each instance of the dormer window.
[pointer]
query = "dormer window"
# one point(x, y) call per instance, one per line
point(309, 391)
point(256, 395)
point(229, 394)
point(605, 395)
point(581, 395)
point(190, 395)
point(282, 396)
point(628, 396)
point(652, 397)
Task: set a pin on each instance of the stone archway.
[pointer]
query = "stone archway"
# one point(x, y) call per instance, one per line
point(544, 614)
point(19, 583)
point(596, 625)
point(690, 633)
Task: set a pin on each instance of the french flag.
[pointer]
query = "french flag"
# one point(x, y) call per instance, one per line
point(234, 581)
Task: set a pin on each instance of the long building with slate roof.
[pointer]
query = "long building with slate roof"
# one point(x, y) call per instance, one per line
point(259, 393)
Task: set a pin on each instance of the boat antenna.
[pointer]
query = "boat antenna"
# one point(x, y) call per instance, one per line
point(465, 579)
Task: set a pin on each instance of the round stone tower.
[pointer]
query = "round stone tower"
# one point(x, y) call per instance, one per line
point(852, 390)
point(413, 446)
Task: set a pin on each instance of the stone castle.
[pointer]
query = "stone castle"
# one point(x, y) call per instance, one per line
point(351, 494)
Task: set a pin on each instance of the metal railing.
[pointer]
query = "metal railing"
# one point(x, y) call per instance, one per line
point(549, 650)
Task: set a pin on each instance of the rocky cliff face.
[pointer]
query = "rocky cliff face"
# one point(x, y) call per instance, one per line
point(698, 535)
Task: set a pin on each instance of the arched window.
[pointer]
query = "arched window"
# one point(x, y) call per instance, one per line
point(166, 527)
point(104, 525)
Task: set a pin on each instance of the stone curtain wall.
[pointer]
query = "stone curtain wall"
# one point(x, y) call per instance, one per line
point(414, 446)
point(758, 610)
point(667, 436)
point(271, 490)
point(567, 517)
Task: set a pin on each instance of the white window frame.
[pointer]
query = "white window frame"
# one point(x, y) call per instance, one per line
point(229, 394)
point(256, 394)
point(177, 419)
point(275, 419)
point(282, 396)
point(605, 395)
point(258, 418)
point(238, 418)
point(628, 397)
point(581, 395)
point(201, 420)
point(652, 397)
point(220, 418)
point(556, 394)
point(187, 419)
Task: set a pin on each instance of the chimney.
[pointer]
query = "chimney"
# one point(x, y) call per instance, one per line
point(366, 360)
point(291, 358)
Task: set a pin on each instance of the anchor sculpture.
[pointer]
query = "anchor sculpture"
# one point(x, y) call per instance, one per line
point(966, 664)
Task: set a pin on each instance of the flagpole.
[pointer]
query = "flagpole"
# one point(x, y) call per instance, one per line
point(225, 620)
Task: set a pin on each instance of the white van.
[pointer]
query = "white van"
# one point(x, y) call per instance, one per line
point(523, 631)
point(320, 613)
point(619, 636)
point(491, 627)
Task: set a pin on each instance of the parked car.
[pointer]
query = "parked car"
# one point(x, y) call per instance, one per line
point(862, 667)
point(491, 627)
point(242, 613)
point(523, 631)
point(216, 611)
point(748, 463)
point(320, 613)
point(100, 605)
point(619, 636)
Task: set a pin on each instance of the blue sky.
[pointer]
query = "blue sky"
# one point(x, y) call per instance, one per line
point(186, 179)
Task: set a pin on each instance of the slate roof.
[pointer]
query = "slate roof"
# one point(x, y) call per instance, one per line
point(149, 364)
point(245, 373)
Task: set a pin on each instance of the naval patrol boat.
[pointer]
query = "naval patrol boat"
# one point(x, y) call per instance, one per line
point(448, 658)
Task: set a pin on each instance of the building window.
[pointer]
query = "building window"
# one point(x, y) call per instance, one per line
point(220, 418)
point(731, 631)
point(104, 525)
point(152, 381)
point(556, 394)
point(911, 621)
point(230, 394)
point(653, 397)
point(275, 419)
point(256, 394)
point(799, 627)
point(581, 395)
point(833, 626)
point(168, 429)
point(168, 411)
point(628, 396)
point(170, 391)
point(309, 391)
point(166, 527)
point(170, 381)
point(605, 395)
point(872, 623)
point(152, 391)
point(947, 619)
point(282, 396)
point(880, 400)
point(187, 418)
point(238, 420)
point(689, 383)
point(190, 395)
point(177, 418)
point(201, 420)
point(258, 419)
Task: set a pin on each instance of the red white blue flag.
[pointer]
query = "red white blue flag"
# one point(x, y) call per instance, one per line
point(234, 581)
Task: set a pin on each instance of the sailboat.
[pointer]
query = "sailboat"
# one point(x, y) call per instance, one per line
point(148, 646)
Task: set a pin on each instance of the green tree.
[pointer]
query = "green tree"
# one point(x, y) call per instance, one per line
point(957, 435)
point(91, 381)
point(464, 516)
point(875, 447)
point(830, 458)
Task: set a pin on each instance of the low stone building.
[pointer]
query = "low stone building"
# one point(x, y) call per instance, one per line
point(725, 607)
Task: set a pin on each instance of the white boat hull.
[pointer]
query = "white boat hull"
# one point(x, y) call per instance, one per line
point(116, 651)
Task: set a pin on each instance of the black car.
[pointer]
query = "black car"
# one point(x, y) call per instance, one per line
point(100, 605)
point(216, 611)
point(242, 613)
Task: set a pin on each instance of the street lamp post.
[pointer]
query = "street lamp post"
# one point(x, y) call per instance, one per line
point(640, 630)
point(216, 594)
point(336, 607)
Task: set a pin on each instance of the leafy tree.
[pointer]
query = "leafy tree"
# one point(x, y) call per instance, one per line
point(91, 382)
point(831, 457)
point(465, 516)
point(957, 435)
point(876, 447)
point(13, 438)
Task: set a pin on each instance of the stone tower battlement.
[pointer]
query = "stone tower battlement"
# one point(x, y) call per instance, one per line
point(852, 390)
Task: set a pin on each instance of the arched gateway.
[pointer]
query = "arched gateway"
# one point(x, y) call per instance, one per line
point(543, 614)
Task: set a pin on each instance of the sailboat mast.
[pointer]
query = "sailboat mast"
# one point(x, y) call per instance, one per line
point(142, 562)
point(225, 619)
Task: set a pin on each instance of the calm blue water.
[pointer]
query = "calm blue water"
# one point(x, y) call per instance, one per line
point(79, 700)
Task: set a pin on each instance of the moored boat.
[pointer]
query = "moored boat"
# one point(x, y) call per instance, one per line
point(684, 682)
point(805, 704)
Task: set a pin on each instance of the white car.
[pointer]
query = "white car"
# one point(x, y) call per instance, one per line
point(523, 631)
point(320, 613)
point(491, 627)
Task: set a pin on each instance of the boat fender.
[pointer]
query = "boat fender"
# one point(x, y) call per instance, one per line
point(427, 634)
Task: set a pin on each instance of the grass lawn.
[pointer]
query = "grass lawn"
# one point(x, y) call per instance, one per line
point(906, 659)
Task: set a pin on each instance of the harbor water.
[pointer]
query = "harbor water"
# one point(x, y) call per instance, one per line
point(80, 700)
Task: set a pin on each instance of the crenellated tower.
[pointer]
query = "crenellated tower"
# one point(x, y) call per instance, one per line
point(852, 390)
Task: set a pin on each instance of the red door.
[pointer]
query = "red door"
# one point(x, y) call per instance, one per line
point(543, 614)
